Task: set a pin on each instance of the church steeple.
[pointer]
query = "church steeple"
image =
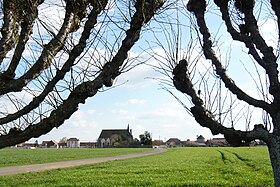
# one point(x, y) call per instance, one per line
point(129, 130)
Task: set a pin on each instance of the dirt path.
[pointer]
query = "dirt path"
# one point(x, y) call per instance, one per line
point(71, 163)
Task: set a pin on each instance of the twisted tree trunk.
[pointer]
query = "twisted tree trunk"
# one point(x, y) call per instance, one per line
point(274, 152)
point(242, 25)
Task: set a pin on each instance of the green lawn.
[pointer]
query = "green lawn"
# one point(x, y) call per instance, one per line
point(13, 157)
point(176, 167)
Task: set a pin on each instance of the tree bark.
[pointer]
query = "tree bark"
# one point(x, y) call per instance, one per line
point(274, 152)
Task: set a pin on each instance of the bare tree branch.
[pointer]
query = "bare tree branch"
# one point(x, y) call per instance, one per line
point(144, 11)
point(209, 54)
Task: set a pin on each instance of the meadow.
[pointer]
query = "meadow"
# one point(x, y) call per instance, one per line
point(177, 167)
point(15, 157)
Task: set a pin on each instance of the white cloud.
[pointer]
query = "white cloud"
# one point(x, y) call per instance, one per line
point(54, 12)
point(136, 101)
point(163, 113)
point(158, 114)
point(130, 102)
point(268, 29)
point(81, 119)
point(143, 75)
point(119, 112)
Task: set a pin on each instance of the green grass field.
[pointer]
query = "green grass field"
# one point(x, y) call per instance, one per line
point(15, 157)
point(176, 167)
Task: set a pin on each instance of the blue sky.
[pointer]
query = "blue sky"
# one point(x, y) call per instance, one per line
point(138, 99)
point(141, 103)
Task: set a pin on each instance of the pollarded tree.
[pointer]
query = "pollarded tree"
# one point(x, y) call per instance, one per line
point(242, 20)
point(56, 54)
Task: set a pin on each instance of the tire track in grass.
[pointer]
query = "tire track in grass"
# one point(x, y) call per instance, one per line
point(222, 155)
point(233, 164)
point(246, 161)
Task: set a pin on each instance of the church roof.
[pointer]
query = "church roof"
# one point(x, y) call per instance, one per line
point(107, 133)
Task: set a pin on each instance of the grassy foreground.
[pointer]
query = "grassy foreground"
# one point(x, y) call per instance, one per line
point(176, 167)
point(15, 157)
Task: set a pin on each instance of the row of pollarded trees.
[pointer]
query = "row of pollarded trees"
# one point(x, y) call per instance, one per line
point(54, 56)
point(50, 63)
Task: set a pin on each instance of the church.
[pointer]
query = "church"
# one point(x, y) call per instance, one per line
point(115, 138)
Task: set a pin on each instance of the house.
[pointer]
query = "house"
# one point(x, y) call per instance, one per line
point(200, 141)
point(62, 144)
point(174, 142)
point(217, 142)
point(73, 143)
point(190, 143)
point(49, 144)
point(158, 142)
point(115, 137)
point(20, 145)
point(88, 144)
point(26, 145)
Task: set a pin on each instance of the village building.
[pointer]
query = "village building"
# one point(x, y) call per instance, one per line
point(62, 144)
point(200, 141)
point(49, 144)
point(174, 142)
point(88, 144)
point(26, 145)
point(73, 143)
point(115, 138)
point(190, 143)
point(217, 142)
point(158, 143)
point(20, 145)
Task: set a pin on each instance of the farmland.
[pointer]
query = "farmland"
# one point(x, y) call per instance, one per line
point(15, 157)
point(176, 167)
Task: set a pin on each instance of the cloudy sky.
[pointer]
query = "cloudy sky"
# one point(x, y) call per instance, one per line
point(139, 100)
point(136, 100)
